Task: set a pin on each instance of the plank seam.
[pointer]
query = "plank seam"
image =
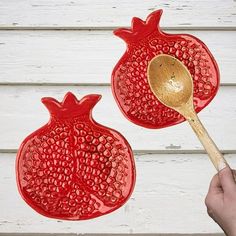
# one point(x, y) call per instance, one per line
point(149, 152)
point(77, 84)
point(107, 234)
point(108, 28)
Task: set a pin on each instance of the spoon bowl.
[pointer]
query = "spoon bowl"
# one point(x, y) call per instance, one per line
point(170, 81)
point(172, 84)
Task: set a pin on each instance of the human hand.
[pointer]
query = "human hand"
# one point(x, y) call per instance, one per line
point(221, 201)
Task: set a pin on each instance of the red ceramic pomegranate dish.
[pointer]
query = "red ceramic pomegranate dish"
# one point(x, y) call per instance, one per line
point(74, 168)
point(130, 86)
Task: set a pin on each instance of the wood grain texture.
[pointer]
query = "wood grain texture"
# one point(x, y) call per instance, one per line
point(169, 188)
point(87, 56)
point(102, 13)
point(22, 112)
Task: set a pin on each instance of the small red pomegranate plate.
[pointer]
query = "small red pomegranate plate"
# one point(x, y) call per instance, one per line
point(130, 86)
point(73, 168)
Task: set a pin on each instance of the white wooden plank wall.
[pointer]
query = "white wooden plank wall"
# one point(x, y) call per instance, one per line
point(103, 14)
point(47, 48)
point(66, 57)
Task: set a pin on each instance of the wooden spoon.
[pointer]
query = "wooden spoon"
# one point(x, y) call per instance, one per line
point(172, 84)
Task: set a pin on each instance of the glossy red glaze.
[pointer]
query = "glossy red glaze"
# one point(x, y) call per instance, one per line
point(74, 168)
point(130, 87)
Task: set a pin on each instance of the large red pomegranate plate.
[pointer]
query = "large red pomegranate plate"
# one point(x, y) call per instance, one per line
point(130, 86)
point(74, 168)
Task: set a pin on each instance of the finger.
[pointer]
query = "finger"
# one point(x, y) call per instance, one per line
point(215, 185)
point(211, 214)
point(227, 179)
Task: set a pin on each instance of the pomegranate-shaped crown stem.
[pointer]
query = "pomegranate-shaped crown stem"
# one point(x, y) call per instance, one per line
point(140, 29)
point(71, 107)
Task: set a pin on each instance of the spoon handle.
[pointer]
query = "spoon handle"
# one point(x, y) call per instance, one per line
point(214, 153)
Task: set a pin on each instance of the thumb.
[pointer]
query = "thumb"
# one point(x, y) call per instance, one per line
point(227, 179)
